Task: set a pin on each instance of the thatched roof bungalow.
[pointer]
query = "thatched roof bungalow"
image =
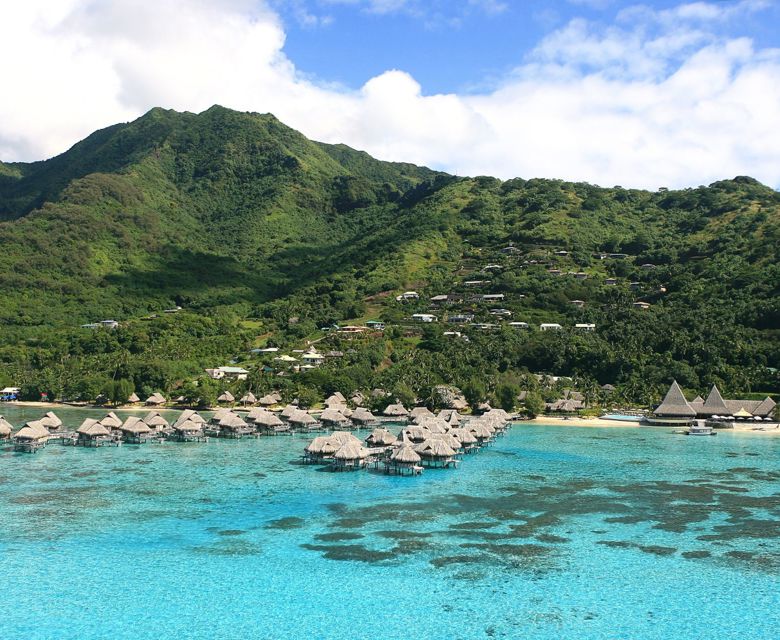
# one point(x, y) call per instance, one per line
point(436, 453)
point(271, 399)
point(133, 399)
point(301, 418)
point(350, 456)
point(155, 400)
point(111, 421)
point(380, 438)
point(267, 422)
point(188, 430)
point(5, 428)
point(396, 411)
point(404, 459)
point(155, 421)
point(91, 432)
point(134, 430)
point(362, 416)
point(31, 437)
point(332, 418)
point(51, 421)
point(226, 397)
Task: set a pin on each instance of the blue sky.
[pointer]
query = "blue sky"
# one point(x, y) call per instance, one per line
point(612, 92)
point(455, 45)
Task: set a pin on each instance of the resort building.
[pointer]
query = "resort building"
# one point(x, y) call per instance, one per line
point(584, 326)
point(424, 317)
point(408, 295)
point(550, 326)
point(313, 358)
point(675, 409)
point(462, 318)
point(518, 325)
point(375, 325)
point(235, 373)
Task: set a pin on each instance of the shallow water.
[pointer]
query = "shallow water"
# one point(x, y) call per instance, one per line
point(553, 532)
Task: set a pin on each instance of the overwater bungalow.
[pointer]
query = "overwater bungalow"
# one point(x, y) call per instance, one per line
point(418, 414)
point(289, 410)
point(51, 421)
point(333, 418)
point(111, 421)
point(92, 433)
point(414, 433)
point(232, 426)
point(269, 423)
point(248, 398)
point(450, 416)
point(433, 424)
point(155, 400)
point(404, 460)
point(302, 420)
point(396, 411)
point(5, 429)
point(190, 414)
point(188, 431)
point(363, 417)
point(481, 431)
point(31, 437)
point(134, 430)
point(155, 421)
point(449, 439)
point(321, 449)
point(226, 398)
point(380, 438)
point(436, 453)
point(349, 457)
point(468, 442)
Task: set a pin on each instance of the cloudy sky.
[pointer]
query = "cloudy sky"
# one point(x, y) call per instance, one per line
point(605, 91)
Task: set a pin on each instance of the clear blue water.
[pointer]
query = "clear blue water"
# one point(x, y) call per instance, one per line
point(621, 417)
point(554, 532)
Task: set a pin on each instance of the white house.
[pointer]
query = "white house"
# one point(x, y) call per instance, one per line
point(424, 317)
point(550, 326)
point(518, 325)
point(237, 373)
point(583, 326)
point(408, 295)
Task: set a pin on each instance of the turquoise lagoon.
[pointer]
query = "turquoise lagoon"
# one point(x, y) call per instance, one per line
point(553, 532)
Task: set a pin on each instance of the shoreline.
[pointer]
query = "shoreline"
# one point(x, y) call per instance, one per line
point(771, 428)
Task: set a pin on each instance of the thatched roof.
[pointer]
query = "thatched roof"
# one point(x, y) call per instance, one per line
point(396, 410)
point(270, 399)
point(267, 419)
point(33, 430)
point(464, 436)
point(226, 396)
point(111, 420)
point(415, 434)
point(405, 454)
point(765, 408)
point(357, 399)
point(449, 439)
point(344, 437)
point(324, 445)
point(336, 398)
point(333, 417)
point(135, 425)
point(362, 414)
point(343, 409)
point(299, 416)
point(155, 420)
point(155, 399)
point(219, 414)
point(433, 424)
point(481, 431)
point(714, 404)
point(289, 410)
point(436, 449)
point(380, 438)
point(232, 422)
point(419, 413)
point(675, 404)
point(188, 426)
point(450, 416)
point(92, 428)
point(51, 421)
point(191, 416)
point(248, 398)
point(5, 428)
point(351, 451)
point(134, 398)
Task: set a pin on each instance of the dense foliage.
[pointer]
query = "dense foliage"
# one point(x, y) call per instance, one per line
point(264, 237)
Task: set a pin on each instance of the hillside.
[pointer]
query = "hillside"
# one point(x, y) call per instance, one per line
point(264, 236)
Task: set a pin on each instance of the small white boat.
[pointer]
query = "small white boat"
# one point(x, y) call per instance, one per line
point(700, 428)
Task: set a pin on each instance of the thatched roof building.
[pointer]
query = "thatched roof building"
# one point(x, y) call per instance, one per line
point(188, 430)
point(51, 421)
point(134, 429)
point(133, 399)
point(32, 432)
point(111, 421)
point(396, 411)
point(248, 398)
point(335, 399)
point(363, 416)
point(301, 418)
point(332, 417)
point(5, 428)
point(92, 430)
point(226, 397)
point(191, 416)
point(380, 438)
point(270, 399)
point(289, 410)
point(156, 421)
point(417, 414)
point(156, 400)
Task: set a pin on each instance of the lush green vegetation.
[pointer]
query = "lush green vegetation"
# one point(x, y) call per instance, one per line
point(264, 237)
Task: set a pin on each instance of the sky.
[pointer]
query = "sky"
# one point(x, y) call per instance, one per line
point(612, 92)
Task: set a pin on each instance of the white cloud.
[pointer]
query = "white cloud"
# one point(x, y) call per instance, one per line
point(652, 101)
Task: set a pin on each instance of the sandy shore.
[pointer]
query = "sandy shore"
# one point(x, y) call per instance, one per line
point(769, 429)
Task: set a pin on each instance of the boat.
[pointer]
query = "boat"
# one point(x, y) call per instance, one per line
point(700, 428)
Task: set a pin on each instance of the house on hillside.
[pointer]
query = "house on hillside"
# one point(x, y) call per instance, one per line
point(584, 326)
point(375, 325)
point(232, 373)
point(550, 326)
point(424, 317)
point(408, 295)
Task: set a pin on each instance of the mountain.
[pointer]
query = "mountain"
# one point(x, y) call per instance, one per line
point(261, 234)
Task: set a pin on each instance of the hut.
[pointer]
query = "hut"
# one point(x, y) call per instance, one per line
point(92, 433)
point(335, 399)
point(434, 424)
point(155, 400)
point(481, 431)
point(320, 449)
point(396, 411)
point(226, 398)
point(418, 414)
point(302, 419)
point(51, 421)
point(31, 437)
point(5, 429)
point(450, 440)
point(357, 399)
point(155, 421)
point(403, 460)
point(271, 399)
point(189, 414)
point(188, 431)
point(133, 399)
point(111, 421)
point(333, 418)
point(363, 417)
point(380, 438)
point(134, 430)
point(219, 415)
point(436, 453)
point(248, 398)
point(349, 457)
point(468, 441)
point(450, 416)
point(415, 434)
point(269, 423)
point(289, 410)
point(232, 426)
